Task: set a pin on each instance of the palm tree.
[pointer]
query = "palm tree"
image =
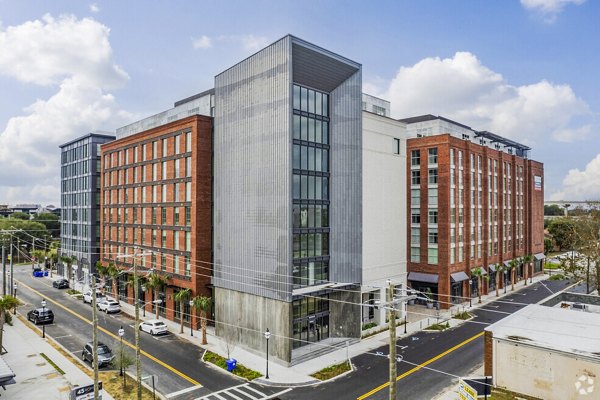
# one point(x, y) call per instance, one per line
point(512, 265)
point(499, 273)
point(114, 273)
point(478, 272)
point(101, 270)
point(69, 260)
point(156, 282)
point(203, 304)
point(7, 303)
point(181, 297)
point(527, 259)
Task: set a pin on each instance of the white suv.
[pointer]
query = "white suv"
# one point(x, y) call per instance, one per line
point(109, 306)
point(87, 297)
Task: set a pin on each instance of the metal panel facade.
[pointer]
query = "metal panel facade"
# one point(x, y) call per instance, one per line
point(346, 181)
point(252, 174)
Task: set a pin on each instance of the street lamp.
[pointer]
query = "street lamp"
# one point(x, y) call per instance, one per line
point(144, 302)
point(267, 336)
point(405, 316)
point(121, 333)
point(15, 296)
point(191, 325)
point(43, 313)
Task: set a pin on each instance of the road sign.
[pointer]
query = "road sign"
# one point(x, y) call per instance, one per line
point(85, 392)
point(465, 391)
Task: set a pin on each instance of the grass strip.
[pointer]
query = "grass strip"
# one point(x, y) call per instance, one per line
point(332, 371)
point(239, 370)
point(56, 367)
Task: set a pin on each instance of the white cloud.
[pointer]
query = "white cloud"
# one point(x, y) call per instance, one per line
point(49, 50)
point(581, 185)
point(203, 42)
point(254, 43)
point(463, 89)
point(549, 9)
point(94, 8)
point(77, 55)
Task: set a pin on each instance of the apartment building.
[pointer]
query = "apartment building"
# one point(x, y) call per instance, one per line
point(475, 200)
point(80, 202)
point(156, 197)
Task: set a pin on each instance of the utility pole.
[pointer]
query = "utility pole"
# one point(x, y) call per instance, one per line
point(3, 269)
point(392, 326)
point(95, 337)
point(12, 279)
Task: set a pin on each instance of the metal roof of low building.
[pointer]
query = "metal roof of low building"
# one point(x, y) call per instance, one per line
point(569, 331)
point(502, 140)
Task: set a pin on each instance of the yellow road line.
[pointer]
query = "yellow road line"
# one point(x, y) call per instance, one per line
point(418, 367)
point(156, 360)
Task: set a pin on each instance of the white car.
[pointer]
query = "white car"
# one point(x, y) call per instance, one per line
point(154, 327)
point(109, 306)
point(87, 297)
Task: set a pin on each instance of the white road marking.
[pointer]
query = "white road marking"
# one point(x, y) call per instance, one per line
point(182, 391)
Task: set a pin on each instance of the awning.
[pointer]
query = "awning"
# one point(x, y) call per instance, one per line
point(492, 267)
point(423, 277)
point(539, 256)
point(459, 276)
point(507, 263)
point(6, 374)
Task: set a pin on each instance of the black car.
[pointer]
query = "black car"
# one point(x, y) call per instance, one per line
point(41, 315)
point(61, 283)
point(105, 355)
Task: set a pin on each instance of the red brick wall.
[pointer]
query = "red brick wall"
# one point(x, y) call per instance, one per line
point(488, 353)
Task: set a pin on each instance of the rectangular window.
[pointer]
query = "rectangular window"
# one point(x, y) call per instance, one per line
point(188, 191)
point(188, 216)
point(188, 167)
point(416, 177)
point(415, 216)
point(176, 216)
point(432, 197)
point(164, 147)
point(415, 157)
point(415, 236)
point(188, 241)
point(188, 142)
point(163, 216)
point(415, 197)
point(396, 146)
point(433, 176)
point(415, 254)
point(433, 155)
point(155, 149)
point(433, 217)
point(432, 236)
point(176, 240)
point(177, 170)
point(177, 144)
point(432, 255)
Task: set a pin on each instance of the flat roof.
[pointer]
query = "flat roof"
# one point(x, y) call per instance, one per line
point(194, 97)
point(105, 135)
point(569, 331)
point(431, 117)
point(499, 139)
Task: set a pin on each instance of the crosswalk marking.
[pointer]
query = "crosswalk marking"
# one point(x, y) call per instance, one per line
point(245, 390)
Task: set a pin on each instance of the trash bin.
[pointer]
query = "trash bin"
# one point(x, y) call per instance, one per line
point(231, 363)
point(45, 273)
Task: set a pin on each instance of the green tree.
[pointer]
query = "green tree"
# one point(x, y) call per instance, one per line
point(548, 245)
point(122, 360)
point(114, 273)
point(156, 282)
point(7, 303)
point(101, 270)
point(50, 221)
point(69, 260)
point(203, 304)
point(499, 274)
point(512, 266)
point(563, 233)
point(478, 272)
point(19, 215)
point(553, 210)
point(181, 297)
point(527, 259)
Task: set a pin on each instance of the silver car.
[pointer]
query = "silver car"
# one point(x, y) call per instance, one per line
point(109, 306)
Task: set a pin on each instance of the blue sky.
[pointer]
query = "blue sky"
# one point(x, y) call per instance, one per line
point(522, 69)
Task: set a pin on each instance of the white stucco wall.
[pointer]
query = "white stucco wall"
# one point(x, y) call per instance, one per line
point(544, 374)
point(384, 203)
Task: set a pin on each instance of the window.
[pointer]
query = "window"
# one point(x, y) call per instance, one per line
point(415, 254)
point(396, 146)
point(188, 191)
point(433, 176)
point(433, 216)
point(176, 216)
point(164, 147)
point(188, 142)
point(415, 216)
point(416, 177)
point(177, 144)
point(432, 255)
point(415, 236)
point(433, 236)
point(188, 216)
point(432, 197)
point(433, 155)
point(415, 197)
point(415, 157)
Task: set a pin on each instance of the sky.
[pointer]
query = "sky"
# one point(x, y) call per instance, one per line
point(526, 70)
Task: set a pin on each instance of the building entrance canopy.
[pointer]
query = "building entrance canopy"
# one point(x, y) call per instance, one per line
point(423, 277)
point(459, 276)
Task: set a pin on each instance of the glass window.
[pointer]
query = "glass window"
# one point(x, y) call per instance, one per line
point(432, 197)
point(296, 100)
point(433, 236)
point(415, 216)
point(433, 216)
point(433, 176)
point(433, 155)
point(416, 177)
point(415, 254)
point(188, 142)
point(415, 157)
point(432, 255)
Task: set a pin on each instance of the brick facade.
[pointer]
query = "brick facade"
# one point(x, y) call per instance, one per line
point(510, 215)
point(156, 194)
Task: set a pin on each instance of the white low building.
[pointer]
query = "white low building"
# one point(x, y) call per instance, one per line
point(545, 352)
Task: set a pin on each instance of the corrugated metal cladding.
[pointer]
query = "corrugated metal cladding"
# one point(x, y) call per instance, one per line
point(346, 181)
point(252, 174)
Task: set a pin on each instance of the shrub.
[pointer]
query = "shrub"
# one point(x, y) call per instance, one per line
point(439, 327)
point(332, 371)
point(463, 315)
point(369, 326)
point(239, 370)
point(557, 277)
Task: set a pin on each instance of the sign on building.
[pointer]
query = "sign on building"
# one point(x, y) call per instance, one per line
point(85, 392)
point(466, 391)
point(537, 182)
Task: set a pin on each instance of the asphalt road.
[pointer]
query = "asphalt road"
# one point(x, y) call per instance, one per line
point(461, 351)
point(174, 362)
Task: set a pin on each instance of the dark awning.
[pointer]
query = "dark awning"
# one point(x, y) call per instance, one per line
point(492, 267)
point(539, 256)
point(423, 277)
point(459, 276)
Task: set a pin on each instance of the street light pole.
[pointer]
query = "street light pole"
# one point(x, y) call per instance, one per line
point(95, 337)
point(405, 316)
point(267, 336)
point(392, 326)
point(191, 317)
point(15, 296)
point(44, 324)
point(121, 333)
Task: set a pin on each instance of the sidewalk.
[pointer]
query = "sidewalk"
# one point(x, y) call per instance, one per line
point(299, 374)
point(36, 377)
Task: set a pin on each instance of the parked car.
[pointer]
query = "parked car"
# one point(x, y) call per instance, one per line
point(154, 327)
point(41, 315)
point(105, 355)
point(36, 267)
point(61, 283)
point(87, 297)
point(109, 306)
